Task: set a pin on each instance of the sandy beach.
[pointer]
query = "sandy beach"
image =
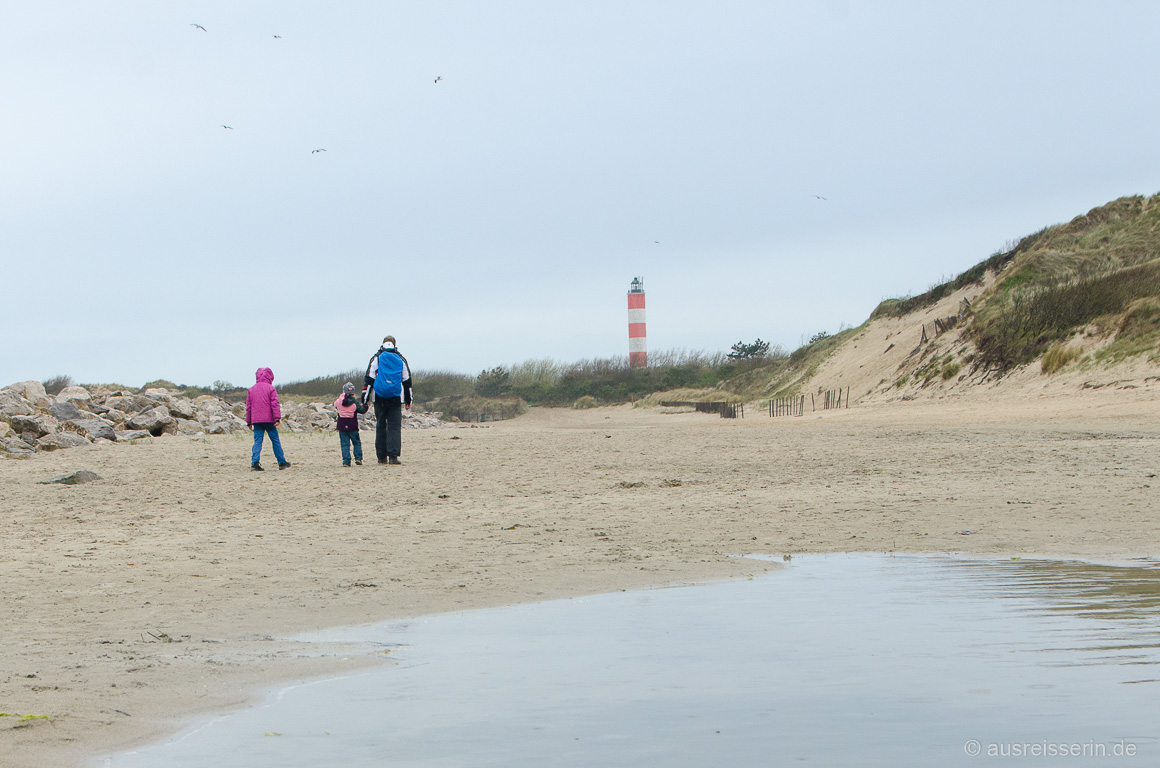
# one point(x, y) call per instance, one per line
point(169, 587)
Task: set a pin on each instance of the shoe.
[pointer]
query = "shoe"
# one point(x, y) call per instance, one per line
point(346, 463)
point(257, 467)
point(358, 461)
point(393, 460)
point(384, 461)
point(283, 465)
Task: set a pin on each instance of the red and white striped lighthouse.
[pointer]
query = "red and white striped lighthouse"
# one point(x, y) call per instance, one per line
point(637, 353)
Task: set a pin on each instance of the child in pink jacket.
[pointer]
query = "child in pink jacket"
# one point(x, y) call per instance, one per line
point(262, 415)
point(348, 407)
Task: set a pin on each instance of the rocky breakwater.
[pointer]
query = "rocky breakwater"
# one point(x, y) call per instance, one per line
point(32, 420)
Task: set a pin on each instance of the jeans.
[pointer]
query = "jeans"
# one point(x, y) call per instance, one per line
point(388, 427)
point(345, 440)
point(259, 432)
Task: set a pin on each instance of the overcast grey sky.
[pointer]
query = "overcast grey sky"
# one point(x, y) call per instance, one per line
point(499, 214)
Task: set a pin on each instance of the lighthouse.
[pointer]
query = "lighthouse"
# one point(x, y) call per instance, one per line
point(637, 354)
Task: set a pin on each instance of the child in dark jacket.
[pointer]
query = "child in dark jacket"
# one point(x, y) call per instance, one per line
point(348, 407)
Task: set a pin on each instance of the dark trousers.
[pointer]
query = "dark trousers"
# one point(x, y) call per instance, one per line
point(388, 427)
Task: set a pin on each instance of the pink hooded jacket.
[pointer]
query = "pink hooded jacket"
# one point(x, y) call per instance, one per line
point(262, 399)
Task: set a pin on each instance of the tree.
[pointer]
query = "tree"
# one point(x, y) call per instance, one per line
point(754, 351)
point(492, 383)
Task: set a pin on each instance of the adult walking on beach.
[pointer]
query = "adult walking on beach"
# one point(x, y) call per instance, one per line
point(263, 413)
point(388, 377)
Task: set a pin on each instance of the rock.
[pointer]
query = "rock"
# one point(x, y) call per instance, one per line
point(14, 407)
point(187, 427)
point(159, 394)
point(28, 390)
point(225, 425)
point(64, 411)
point(129, 403)
point(115, 416)
point(6, 429)
point(61, 440)
point(182, 408)
point(92, 428)
point(40, 424)
point(154, 421)
point(73, 393)
point(125, 435)
point(79, 477)
point(15, 447)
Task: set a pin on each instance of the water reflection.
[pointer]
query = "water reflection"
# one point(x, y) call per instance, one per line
point(834, 660)
point(1118, 606)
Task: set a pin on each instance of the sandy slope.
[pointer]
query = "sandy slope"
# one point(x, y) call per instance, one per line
point(167, 588)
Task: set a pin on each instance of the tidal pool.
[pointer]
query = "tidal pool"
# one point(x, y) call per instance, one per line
point(834, 660)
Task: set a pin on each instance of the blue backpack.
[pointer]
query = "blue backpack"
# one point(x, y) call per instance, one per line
point(389, 380)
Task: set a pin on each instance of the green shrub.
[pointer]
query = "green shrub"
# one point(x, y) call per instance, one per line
point(324, 386)
point(1032, 320)
point(1059, 355)
point(1137, 331)
point(950, 370)
point(159, 384)
point(54, 385)
point(479, 409)
point(583, 403)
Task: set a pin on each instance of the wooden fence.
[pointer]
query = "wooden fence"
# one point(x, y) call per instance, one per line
point(796, 406)
point(726, 409)
point(787, 406)
point(832, 398)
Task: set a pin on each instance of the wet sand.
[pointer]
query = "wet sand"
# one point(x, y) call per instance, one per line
point(167, 588)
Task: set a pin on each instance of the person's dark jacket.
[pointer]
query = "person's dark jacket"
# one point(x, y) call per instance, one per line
point(372, 373)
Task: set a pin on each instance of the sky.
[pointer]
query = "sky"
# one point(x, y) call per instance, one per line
point(495, 173)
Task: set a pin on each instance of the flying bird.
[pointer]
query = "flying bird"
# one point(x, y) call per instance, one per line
point(227, 127)
point(278, 37)
point(315, 152)
point(439, 78)
point(198, 26)
point(820, 197)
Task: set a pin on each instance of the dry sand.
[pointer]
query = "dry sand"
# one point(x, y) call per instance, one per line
point(168, 588)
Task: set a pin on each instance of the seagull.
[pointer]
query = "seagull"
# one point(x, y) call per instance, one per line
point(277, 37)
point(439, 78)
point(315, 152)
point(820, 197)
point(198, 26)
point(228, 127)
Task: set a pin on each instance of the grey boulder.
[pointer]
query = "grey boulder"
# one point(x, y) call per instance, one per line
point(154, 421)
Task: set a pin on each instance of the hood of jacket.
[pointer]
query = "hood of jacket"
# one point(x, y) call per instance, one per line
point(264, 374)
